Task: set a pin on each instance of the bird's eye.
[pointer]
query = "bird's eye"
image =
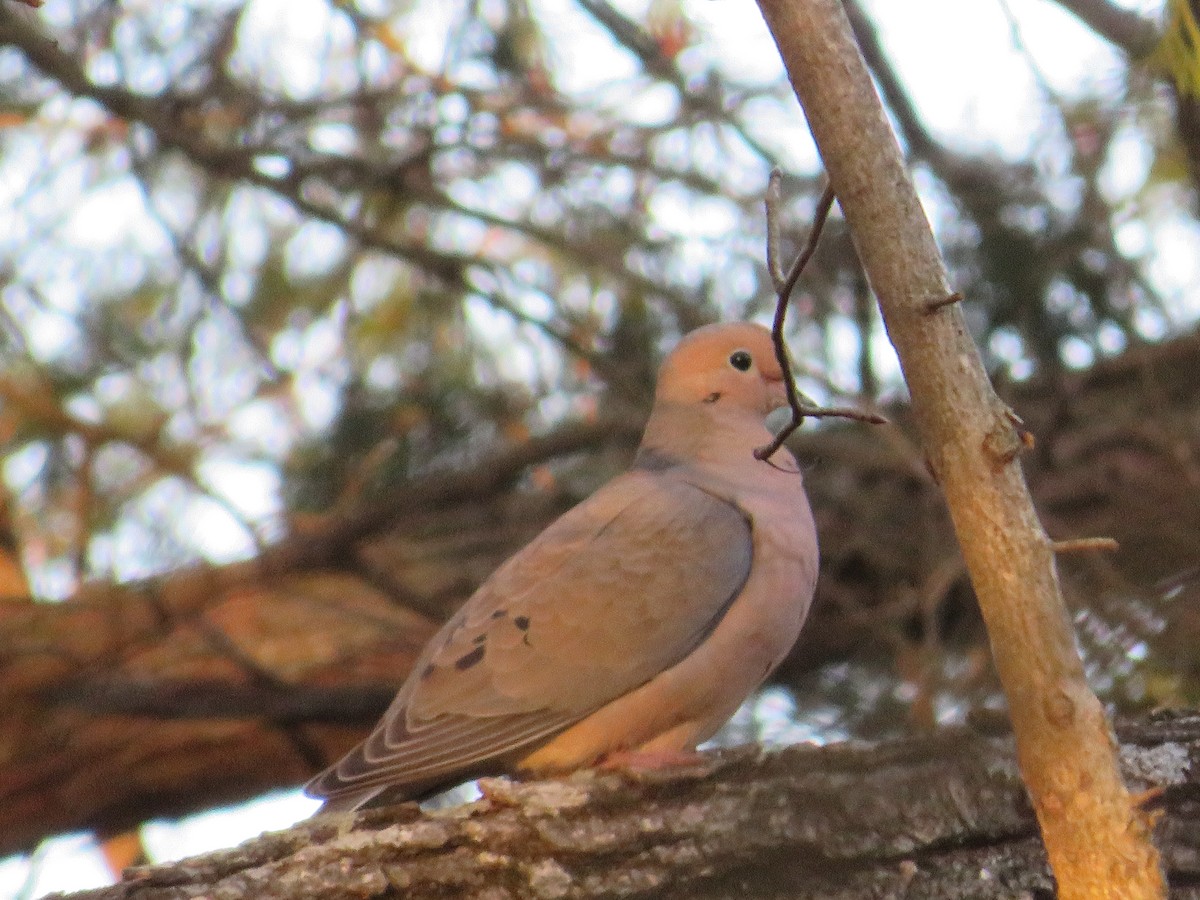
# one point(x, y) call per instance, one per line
point(741, 360)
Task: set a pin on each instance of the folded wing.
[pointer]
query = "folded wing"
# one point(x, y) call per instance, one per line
point(614, 592)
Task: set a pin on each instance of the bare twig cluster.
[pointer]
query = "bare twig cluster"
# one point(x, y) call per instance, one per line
point(802, 407)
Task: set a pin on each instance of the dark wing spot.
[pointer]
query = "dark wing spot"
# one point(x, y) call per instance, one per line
point(500, 614)
point(427, 671)
point(479, 639)
point(712, 398)
point(467, 660)
point(522, 622)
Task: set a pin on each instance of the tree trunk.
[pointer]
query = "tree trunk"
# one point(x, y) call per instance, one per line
point(940, 817)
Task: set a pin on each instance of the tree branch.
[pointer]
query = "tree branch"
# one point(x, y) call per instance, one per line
point(199, 698)
point(237, 162)
point(189, 591)
point(784, 285)
point(1063, 738)
point(937, 818)
point(166, 117)
point(1134, 33)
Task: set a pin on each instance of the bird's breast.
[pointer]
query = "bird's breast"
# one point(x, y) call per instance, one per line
point(768, 614)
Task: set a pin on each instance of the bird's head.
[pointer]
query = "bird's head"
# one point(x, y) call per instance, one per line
point(726, 366)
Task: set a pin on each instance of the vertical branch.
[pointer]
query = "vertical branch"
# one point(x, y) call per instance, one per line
point(1098, 843)
point(783, 288)
point(773, 199)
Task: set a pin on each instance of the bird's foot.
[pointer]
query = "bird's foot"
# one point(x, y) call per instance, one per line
point(643, 762)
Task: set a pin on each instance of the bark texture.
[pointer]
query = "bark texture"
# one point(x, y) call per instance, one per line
point(941, 817)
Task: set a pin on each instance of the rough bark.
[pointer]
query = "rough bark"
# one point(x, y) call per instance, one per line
point(972, 442)
point(940, 817)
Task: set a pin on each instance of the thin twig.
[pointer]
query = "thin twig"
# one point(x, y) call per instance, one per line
point(1085, 545)
point(771, 201)
point(942, 302)
point(783, 287)
point(806, 411)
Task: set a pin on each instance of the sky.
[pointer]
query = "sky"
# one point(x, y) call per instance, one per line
point(967, 71)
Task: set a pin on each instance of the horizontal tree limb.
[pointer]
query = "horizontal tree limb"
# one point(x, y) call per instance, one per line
point(214, 698)
point(939, 817)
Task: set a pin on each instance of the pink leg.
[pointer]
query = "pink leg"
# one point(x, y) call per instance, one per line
point(652, 760)
point(673, 749)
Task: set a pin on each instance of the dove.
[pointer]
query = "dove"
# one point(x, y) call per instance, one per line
point(637, 622)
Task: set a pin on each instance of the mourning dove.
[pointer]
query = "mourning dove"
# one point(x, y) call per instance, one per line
point(638, 621)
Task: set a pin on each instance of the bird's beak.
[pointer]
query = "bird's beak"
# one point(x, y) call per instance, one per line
point(776, 391)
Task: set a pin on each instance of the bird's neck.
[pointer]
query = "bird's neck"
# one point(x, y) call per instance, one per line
point(700, 434)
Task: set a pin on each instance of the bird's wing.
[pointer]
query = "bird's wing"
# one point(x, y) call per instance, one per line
point(614, 592)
